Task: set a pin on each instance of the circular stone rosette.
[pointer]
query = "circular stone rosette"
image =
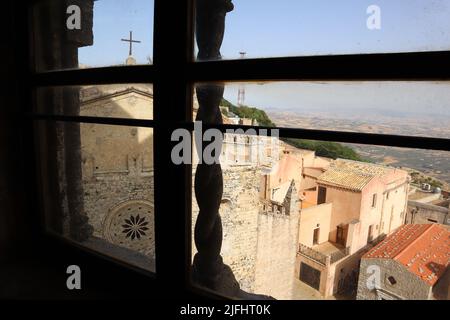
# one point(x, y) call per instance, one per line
point(131, 225)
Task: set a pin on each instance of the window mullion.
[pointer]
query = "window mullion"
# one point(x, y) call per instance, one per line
point(417, 66)
point(173, 40)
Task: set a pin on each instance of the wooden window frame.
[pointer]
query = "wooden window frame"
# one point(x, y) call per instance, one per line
point(173, 92)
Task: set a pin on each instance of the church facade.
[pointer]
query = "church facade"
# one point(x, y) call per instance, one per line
point(117, 166)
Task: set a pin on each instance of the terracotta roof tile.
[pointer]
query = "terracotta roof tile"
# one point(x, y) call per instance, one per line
point(348, 179)
point(423, 249)
point(352, 175)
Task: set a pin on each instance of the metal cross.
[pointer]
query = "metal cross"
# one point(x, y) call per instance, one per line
point(131, 42)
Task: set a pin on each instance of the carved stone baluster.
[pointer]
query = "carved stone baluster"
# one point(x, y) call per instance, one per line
point(208, 266)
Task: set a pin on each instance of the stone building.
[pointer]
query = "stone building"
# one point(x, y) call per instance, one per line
point(259, 242)
point(117, 171)
point(286, 213)
point(410, 264)
point(426, 205)
point(259, 237)
point(350, 206)
point(259, 233)
point(420, 213)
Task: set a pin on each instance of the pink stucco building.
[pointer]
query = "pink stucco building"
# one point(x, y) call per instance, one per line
point(345, 206)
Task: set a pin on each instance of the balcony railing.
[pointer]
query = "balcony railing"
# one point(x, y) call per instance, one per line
point(338, 255)
point(321, 258)
point(313, 254)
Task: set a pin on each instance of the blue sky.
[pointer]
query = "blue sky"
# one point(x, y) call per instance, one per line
point(266, 28)
point(306, 27)
point(113, 20)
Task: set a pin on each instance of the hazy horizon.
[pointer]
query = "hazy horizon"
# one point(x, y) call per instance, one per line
point(393, 99)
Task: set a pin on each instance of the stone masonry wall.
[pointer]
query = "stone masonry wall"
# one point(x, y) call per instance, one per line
point(239, 214)
point(102, 194)
point(408, 286)
point(277, 249)
point(422, 213)
point(276, 258)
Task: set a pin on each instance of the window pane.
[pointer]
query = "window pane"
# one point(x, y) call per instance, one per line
point(297, 226)
point(84, 34)
point(399, 108)
point(292, 218)
point(117, 101)
point(98, 187)
point(263, 28)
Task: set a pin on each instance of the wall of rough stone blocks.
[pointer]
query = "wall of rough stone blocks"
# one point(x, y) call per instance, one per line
point(239, 214)
point(421, 213)
point(276, 255)
point(408, 285)
point(103, 194)
point(277, 248)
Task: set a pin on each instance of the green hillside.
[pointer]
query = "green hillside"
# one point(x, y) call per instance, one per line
point(250, 113)
point(326, 149)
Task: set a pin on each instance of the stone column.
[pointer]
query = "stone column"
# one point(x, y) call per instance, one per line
point(57, 48)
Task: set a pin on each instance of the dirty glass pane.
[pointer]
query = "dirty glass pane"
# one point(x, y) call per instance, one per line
point(98, 188)
point(128, 100)
point(385, 107)
point(87, 33)
point(263, 28)
point(284, 218)
point(312, 220)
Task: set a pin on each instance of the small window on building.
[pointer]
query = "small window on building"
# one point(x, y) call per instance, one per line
point(432, 220)
point(322, 195)
point(387, 195)
point(374, 200)
point(392, 280)
point(370, 234)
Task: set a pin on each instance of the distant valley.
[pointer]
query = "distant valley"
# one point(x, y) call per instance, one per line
point(433, 163)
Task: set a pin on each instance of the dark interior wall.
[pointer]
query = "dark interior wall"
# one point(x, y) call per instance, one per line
point(7, 223)
point(14, 229)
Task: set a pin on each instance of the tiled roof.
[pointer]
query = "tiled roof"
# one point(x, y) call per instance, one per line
point(352, 175)
point(313, 172)
point(363, 167)
point(423, 249)
point(345, 178)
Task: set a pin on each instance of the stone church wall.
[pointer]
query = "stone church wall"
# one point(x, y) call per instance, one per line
point(276, 253)
point(239, 214)
point(110, 195)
